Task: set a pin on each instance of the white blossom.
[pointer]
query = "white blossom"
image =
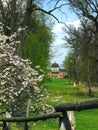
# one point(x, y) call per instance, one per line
point(18, 81)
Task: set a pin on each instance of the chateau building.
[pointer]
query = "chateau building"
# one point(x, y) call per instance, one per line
point(56, 72)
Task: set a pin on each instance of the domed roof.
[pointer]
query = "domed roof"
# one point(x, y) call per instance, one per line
point(55, 65)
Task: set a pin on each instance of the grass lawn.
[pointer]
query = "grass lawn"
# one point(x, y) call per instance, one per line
point(60, 91)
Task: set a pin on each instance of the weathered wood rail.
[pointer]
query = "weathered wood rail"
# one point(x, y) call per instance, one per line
point(77, 105)
point(60, 112)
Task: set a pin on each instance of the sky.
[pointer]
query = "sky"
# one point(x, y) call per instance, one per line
point(68, 17)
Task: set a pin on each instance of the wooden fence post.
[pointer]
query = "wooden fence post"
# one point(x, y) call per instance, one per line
point(5, 127)
point(64, 123)
point(71, 117)
point(26, 126)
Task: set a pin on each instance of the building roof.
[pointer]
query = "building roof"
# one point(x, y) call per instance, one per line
point(55, 65)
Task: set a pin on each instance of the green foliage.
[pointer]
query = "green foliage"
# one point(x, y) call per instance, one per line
point(69, 64)
point(38, 41)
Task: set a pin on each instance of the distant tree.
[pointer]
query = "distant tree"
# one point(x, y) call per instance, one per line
point(72, 41)
point(81, 42)
point(38, 41)
point(69, 64)
point(88, 9)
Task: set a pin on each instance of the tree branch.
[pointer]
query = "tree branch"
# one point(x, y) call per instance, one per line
point(50, 11)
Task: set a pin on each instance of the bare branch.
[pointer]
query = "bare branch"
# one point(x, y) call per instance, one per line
point(50, 11)
point(57, 3)
point(55, 8)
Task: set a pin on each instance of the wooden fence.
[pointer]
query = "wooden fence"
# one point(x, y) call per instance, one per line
point(60, 112)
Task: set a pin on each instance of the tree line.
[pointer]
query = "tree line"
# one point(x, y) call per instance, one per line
point(82, 61)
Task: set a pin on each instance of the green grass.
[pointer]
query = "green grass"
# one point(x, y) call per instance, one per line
point(64, 91)
point(60, 91)
point(87, 120)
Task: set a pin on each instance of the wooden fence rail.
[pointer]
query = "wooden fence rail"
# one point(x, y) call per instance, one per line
point(77, 105)
point(60, 112)
point(33, 119)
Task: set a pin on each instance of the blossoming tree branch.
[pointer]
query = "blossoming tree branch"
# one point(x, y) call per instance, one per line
point(18, 81)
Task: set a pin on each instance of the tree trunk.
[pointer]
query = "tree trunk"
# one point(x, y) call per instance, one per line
point(89, 79)
point(96, 55)
point(13, 16)
point(76, 69)
point(24, 27)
